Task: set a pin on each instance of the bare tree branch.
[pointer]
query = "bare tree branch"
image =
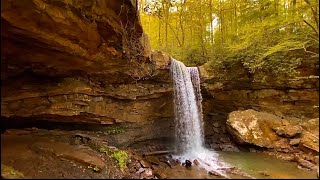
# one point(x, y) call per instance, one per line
point(313, 28)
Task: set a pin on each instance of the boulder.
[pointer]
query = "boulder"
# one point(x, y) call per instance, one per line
point(147, 173)
point(267, 130)
point(141, 170)
point(253, 127)
point(188, 163)
point(294, 142)
point(309, 143)
point(306, 164)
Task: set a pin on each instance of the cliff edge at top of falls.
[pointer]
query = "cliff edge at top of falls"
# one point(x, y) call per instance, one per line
point(80, 61)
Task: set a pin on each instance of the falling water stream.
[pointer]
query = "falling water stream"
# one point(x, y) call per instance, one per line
point(188, 118)
point(189, 135)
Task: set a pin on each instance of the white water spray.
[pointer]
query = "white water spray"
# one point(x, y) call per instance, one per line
point(188, 118)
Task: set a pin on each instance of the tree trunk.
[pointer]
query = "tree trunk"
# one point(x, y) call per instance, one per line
point(159, 33)
point(165, 7)
point(211, 26)
point(181, 23)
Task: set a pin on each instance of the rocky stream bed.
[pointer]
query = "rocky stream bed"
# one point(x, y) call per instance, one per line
point(59, 153)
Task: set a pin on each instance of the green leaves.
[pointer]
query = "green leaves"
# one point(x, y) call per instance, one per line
point(283, 46)
point(115, 130)
point(270, 36)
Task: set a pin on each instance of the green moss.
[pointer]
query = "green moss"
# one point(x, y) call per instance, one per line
point(8, 172)
point(121, 157)
point(13, 172)
point(115, 130)
point(104, 150)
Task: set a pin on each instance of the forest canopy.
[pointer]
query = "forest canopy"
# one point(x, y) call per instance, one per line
point(262, 35)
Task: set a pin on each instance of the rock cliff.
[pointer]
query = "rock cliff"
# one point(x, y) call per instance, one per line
point(235, 88)
point(81, 62)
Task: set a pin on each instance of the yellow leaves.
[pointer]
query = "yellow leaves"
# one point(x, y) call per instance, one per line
point(287, 45)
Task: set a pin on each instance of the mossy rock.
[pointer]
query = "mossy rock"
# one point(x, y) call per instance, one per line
point(8, 172)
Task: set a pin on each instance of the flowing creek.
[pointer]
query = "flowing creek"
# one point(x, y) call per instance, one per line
point(257, 165)
point(261, 165)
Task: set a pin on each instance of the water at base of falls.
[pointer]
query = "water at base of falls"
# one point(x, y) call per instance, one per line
point(188, 118)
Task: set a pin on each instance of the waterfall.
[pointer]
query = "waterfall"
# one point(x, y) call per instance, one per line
point(195, 79)
point(189, 131)
point(187, 116)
